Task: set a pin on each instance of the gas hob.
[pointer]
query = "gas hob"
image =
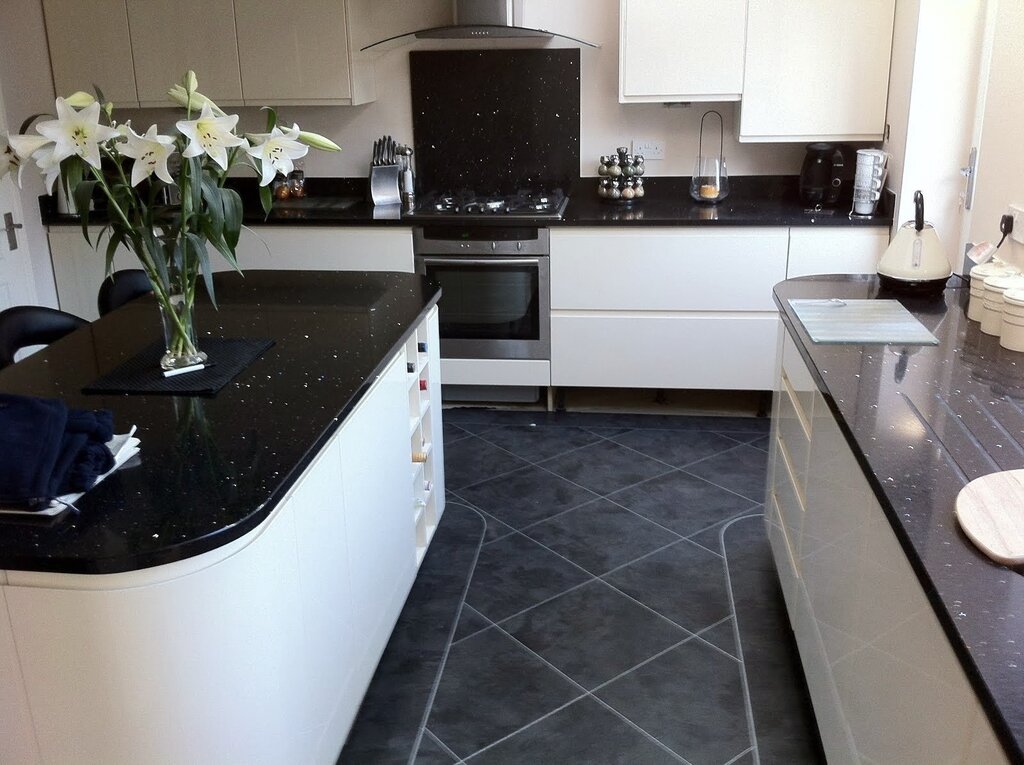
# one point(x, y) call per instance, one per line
point(467, 205)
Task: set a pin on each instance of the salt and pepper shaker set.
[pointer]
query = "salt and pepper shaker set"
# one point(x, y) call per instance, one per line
point(620, 176)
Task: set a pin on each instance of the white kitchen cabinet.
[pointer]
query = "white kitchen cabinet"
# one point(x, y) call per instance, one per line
point(656, 307)
point(816, 70)
point(883, 679)
point(300, 52)
point(90, 46)
point(78, 269)
point(835, 250)
point(261, 650)
point(170, 37)
point(681, 50)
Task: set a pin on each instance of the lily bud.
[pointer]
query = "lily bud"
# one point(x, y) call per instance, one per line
point(79, 100)
point(191, 83)
point(193, 101)
point(108, 108)
point(317, 141)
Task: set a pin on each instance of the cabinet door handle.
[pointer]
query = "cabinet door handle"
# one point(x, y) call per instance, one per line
point(11, 228)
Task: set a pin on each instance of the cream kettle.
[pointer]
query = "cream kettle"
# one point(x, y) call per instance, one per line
point(915, 259)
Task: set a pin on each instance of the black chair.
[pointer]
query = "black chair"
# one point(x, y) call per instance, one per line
point(120, 287)
point(25, 325)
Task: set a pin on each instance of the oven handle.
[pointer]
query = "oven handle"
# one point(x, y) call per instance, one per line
point(429, 260)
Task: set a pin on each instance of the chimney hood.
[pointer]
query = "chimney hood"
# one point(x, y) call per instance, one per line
point(477, 20)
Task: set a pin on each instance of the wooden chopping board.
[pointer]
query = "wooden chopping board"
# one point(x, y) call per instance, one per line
point(990, 510)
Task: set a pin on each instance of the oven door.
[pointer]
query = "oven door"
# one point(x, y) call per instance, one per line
point(492, 307)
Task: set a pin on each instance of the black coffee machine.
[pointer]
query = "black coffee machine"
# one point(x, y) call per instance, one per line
point(823, 175)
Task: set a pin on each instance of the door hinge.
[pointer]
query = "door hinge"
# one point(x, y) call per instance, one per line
point(11, 228)
point(969, 173)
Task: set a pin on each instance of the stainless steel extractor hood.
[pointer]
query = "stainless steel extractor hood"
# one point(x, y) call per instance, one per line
point(477, 20)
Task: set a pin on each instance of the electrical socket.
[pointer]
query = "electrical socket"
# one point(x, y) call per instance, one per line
point(649, 148)
point(1017, 211)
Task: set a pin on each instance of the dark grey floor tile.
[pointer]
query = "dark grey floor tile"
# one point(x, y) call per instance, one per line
point(677, 447)
point(608, 432)
point(471, 621)
point(747, 758)
point(526, 496)
point(452, 432)
point(600, 535)
point(491, 687)
point(585, 732)
point(605, 467)
point(783, 719)
point(682, 502)
point(593, 633)
point(495, 528)
point(743, 470)
point(690, 699)
point(388, 721)
point(761, 442)
point(723, 636)
point(470, 460)
point(538, 442)
point(515, 573)
point(684, 583)
point(710, 538)
point(432, 753)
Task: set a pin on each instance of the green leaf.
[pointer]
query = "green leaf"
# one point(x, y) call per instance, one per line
point(116, 238)
point(28, 122)
point(271, 117)
point(159, 256)
point(196, 173)
point(82, 197)
point(225, 250)
point(198, 247)
point(214, 207)
point(233, 213)
point(267, 200)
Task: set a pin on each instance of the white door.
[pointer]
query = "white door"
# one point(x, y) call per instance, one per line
point(16, 286)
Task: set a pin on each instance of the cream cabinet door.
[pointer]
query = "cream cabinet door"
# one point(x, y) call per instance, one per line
point(816, 70)
point(295, 52)
point(169, 38)
point(681, 50)
point(89, 46)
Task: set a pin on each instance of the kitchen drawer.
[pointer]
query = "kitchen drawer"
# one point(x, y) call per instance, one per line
point(835, 251)
point(789, 498)
point(663, 350)
point(801, 383)
point(785, 561)
point(657, 269)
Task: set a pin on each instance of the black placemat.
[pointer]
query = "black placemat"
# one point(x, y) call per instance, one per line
point(142, 373)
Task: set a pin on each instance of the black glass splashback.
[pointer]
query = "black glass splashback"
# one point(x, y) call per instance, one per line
point(495, 120)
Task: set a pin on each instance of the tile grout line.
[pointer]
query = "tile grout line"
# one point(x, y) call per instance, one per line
point(444, 746)
point(739, 642)
point(586, 694)
point(744, 753)
point(439, 674)
point(529, 725)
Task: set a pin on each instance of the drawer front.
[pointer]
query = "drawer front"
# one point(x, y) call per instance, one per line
point(789, 498)
point(802, 385)
point(667, 270)
point(663, 351)
point(785, 562)
point(850, 251)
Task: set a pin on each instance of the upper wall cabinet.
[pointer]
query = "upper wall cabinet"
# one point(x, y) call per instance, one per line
point(300, 52)
point(90, 46)
point(816, 70)
point(169, 37)
point(681, 50)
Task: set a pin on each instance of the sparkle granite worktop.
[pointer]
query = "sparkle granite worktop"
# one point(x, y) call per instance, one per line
point(753, 201)
point(211, 469)
point(923, 421)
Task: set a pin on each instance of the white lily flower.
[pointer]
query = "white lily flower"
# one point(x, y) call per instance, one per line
point(26, 147)
point(210, 135)
point(150, 152)
point(77, 132)
point(48, 166)
point(318, 141)
point(8, 159)
point(276, 151)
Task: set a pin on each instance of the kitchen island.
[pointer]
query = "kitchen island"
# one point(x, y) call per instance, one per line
point(910, 638)
point(227, 598)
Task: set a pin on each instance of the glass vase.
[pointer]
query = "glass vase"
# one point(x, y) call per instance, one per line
point(178, 316)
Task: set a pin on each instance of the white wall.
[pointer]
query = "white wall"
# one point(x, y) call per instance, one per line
point(605, 123)
point(1001, 160)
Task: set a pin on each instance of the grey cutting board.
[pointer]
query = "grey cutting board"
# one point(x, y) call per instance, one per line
point(861, 321)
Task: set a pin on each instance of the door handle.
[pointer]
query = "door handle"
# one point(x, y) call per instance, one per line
point(11, 228)
point(970, 173)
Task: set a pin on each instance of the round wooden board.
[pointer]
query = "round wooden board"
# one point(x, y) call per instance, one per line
point(990, 510)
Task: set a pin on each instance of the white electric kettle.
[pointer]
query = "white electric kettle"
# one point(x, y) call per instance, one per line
point(915, 260)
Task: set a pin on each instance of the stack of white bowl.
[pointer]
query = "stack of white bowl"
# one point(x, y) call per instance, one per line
point(1012, 334)
point(975, 308)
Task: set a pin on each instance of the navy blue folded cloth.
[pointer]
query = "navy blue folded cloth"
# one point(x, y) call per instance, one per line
point(47, 449)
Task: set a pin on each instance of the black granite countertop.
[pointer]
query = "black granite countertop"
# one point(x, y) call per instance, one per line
point(923, 421)
point(212, 469)
point(753, 201)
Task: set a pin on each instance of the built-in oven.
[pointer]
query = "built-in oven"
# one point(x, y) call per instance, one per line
point(495, 289)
